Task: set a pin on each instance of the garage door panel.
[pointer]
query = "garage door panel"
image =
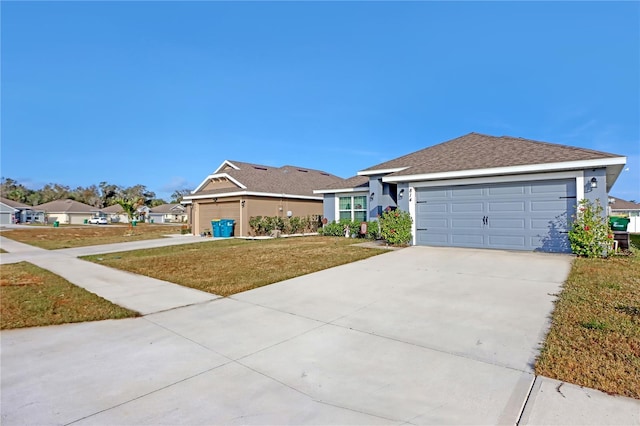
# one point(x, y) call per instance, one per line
point(511, 224)
point(506, 206)
point(519, 215)
point(504, 190)
point(466, 192)
point(511, 241)
point(476, 206)
point(466, 223)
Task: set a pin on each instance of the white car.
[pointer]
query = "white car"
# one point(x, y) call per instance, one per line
point(98, 220)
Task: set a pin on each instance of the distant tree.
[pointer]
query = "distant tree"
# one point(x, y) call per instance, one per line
point(13, 190)
point(88, 195)
point(138, 192)
point(108, 194)
point(179, 194)
point(156, 202)
point(54, 191)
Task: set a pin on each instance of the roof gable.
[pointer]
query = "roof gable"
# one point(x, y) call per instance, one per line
point(620, 204)
point(257, 178)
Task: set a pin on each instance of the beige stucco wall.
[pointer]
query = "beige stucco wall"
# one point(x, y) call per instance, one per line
point(231, 208)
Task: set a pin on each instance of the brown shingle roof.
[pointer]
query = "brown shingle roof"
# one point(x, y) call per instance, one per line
point(620, 204)
point(66, 206)
point(114, 209)
point(291, 180)
point(477, 151)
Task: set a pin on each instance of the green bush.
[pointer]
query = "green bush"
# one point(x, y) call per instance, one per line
point(264, 225)
point(590, 235)
point(395, 227)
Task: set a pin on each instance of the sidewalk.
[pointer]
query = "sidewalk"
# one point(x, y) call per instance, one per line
point(136, 292)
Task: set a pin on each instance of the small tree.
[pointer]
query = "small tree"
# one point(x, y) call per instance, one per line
point(129, 206)
point(590, 235)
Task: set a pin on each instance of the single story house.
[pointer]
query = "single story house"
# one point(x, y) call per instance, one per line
point(69, 212)
point(240, 191)
point(16, 212)
point(481, 191)
point(620, 207)
point(115, 214)
point(168, 213)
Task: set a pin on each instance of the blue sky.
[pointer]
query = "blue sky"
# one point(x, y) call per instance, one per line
point(160, 93)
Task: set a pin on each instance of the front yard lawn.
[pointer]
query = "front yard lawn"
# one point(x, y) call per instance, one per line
point(594, 339)
point(31, 296)
point(48, 237)
point(226, 267)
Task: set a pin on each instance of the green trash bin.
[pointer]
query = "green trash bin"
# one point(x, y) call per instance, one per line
point(619, 223)
point(215, 228)
point(134, 222)
point(151, 220)
point(56, 224)
point(86, 221)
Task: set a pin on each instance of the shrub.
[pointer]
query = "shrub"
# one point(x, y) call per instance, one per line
point(590, 235)
point(395, 227)
point(264, 225)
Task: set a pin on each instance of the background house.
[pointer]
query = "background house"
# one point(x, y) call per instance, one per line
point(239, 191)
point(115, 214)
point(16, 212)
point(624, 208)
point(481, 191)
point(69, 212)
point(168, 213)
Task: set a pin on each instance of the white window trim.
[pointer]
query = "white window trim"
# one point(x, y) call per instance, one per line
point(355, 194)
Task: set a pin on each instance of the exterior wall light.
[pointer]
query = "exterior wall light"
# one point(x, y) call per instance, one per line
point(594, 182)
point(371, 196)
point(401, 193)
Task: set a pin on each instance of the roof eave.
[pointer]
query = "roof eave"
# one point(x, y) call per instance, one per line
point(613, 165)
point(190, 198)
point(218, 175)
point(371, 172)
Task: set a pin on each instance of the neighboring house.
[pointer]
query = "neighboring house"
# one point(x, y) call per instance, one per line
point(15, 212)
point(620, 207)
point(168, 213)
point(239, 191)
point(481, 191)
point(142, 213)
point(67, 211)
point(115, 214)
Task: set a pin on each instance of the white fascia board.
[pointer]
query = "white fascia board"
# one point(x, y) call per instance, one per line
point(338, 191)
point(573, 174)
point(258, 194)
point(380, 171)
point(511, 170)
point(218, 175)
point(226, 163)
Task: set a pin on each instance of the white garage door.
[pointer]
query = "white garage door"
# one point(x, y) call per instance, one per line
point(516, 216)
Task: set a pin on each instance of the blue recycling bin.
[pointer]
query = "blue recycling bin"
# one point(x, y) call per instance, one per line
point(216, 228)
point(226, 227)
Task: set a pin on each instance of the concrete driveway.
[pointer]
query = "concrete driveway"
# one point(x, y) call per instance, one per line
point(416, 336)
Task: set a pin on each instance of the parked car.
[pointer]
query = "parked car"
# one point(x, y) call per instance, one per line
point(98, 220)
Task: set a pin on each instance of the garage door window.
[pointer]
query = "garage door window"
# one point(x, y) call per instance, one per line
point(353, 208)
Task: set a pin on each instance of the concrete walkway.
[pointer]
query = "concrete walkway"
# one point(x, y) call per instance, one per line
point(415, 336)
point(136, 292)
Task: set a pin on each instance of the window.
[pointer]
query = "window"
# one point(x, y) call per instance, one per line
point(353, 207)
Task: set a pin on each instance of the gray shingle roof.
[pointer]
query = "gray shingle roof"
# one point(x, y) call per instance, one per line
point(164, 208)
point(477, 151)
point(354, 182)
point(620, 204)
point(14, 204)
point(66, 206)
point(291, 180)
